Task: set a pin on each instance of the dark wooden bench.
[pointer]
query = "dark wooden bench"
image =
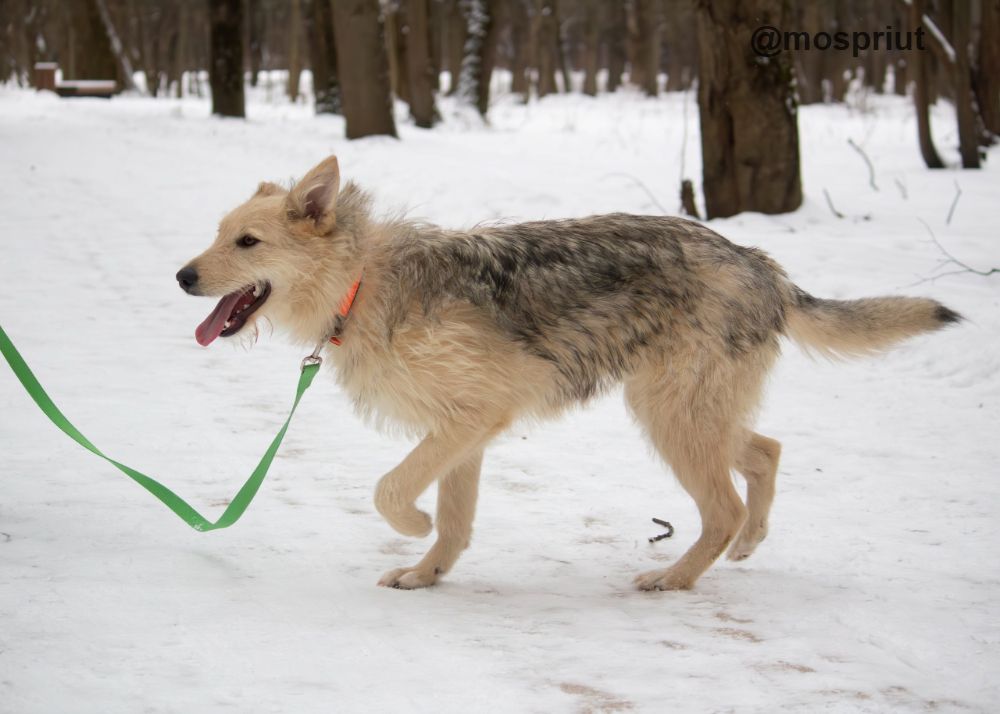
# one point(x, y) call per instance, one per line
point(45, 78)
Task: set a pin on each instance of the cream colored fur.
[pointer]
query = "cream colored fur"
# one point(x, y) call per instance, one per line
point(456, 378)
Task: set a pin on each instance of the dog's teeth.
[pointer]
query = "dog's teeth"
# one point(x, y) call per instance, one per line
point(254, 291)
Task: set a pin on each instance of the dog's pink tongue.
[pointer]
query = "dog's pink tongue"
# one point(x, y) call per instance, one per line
point(213, 325)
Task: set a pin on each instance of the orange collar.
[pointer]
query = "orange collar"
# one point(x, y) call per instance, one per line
point(345, 309)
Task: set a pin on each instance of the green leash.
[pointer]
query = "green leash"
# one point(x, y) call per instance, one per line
point(235, 509)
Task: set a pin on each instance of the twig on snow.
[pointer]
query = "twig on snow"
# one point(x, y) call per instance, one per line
point(951, 211)
point(829, 202)
point(902, 189)
point(665, 524)
point(950, 259)
point(871, 168)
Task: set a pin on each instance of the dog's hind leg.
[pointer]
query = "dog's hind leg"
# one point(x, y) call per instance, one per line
point(694, 424)
point(456, 507)
point(440, 452)
point(758, 462)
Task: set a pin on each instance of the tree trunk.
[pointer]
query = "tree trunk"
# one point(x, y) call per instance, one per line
point(682, 49)
point(361, 46)
point(420, 69)
point(255, 49)
point(91, 54)
point(615, 42)
point(393, 27)
point(455, 28)
point(124, 65)
point(547, 47)
point(480, 53)
point(749, 129)
point(839, 66)
point(988, 73)
point(591, 37)
point(562, 50)
point(918, 68)
point(520, 38)
point(324, 57)
point(226, 57)
point(294, 49)
point(965, 101)
point(647, 54)
point(436, 38)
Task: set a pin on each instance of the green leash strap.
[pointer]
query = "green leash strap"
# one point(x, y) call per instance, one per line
point(235, 509)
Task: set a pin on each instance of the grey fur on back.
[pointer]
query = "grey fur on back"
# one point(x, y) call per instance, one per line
point(593, 295)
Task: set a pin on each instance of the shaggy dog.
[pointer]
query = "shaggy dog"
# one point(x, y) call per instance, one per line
point(454, 335)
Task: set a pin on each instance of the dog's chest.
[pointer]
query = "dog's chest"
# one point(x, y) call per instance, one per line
point(387, 390)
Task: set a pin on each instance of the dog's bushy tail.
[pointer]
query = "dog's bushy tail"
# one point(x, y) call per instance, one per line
point(854, 328)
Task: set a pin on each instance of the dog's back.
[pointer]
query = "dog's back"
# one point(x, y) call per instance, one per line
point(594, 296)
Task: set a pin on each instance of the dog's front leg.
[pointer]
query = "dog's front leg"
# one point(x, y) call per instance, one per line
point(456, 507)
point(435, 456)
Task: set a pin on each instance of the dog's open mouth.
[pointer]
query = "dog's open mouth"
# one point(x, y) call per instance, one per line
point(231, 313)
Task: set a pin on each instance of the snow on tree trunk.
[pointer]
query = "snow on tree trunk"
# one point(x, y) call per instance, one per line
point(477, 57)
point(125, 66)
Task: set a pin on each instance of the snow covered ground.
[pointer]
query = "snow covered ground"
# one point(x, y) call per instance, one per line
point(878, 589)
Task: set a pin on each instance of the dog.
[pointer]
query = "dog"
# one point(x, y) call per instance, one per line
point(454, 335)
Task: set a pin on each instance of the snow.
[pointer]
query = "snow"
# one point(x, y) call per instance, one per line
point(876, 591)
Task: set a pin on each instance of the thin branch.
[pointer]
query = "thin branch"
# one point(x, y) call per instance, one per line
point(871, 168)
point(949, 259)
point(829, 202)
point(951, 211)
point(116, 46)
point(939, 43)
point(902, 189)
point(643, 186)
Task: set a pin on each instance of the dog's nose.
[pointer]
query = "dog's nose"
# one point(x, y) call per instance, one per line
point(187, 277)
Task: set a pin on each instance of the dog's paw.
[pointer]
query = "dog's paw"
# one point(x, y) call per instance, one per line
point(404, 517)
point(746, 542)
point(410, 522)
point(669, 579)
point(408, 578)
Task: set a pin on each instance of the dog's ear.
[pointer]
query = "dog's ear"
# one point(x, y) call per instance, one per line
point(314, 198)
point(266, 188)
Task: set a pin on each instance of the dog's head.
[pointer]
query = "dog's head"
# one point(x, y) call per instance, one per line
point(268, 251)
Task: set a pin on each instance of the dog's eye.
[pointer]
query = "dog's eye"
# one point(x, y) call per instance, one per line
point(247, 241)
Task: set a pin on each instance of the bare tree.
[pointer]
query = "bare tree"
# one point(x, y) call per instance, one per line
point(965, 100)
point(253, 20)
point(987, 76)
point(420, 70)
point(644, 27)
point(614, 40)
point(591, 45)
point(323, 57)
point(367, 100)
point(226, 57)
point(749, 127)
point(90, 53)
point(124, 65)
point(480, 53)
point(917, 67)
point(454, 40)
point(294, 48)
point(545, 33)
